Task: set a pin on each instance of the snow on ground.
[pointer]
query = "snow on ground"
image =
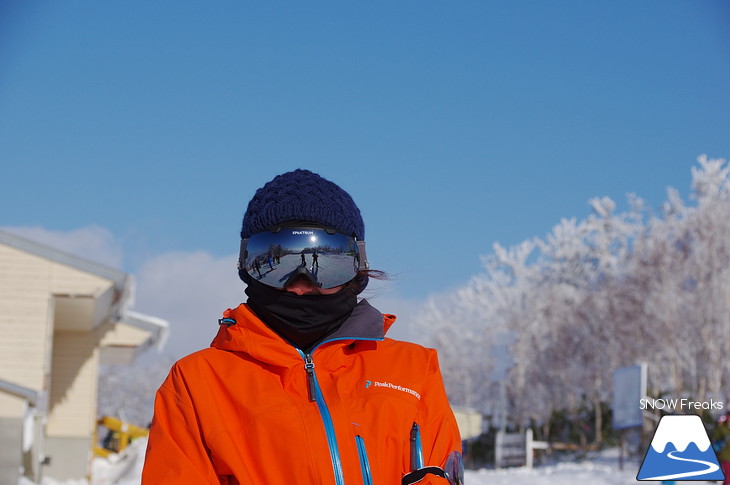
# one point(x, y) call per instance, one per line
point(124, 468)
point(602, 469)
point(598, 471)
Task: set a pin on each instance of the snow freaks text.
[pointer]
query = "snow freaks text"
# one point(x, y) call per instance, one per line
point(680, 405)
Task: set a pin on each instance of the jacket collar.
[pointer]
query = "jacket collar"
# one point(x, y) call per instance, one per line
point(242, 331)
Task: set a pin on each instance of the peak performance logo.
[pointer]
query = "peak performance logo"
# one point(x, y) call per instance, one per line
point(389, 385)
point(680, 449)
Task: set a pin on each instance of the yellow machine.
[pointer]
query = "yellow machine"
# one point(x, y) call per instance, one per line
point(118, 436)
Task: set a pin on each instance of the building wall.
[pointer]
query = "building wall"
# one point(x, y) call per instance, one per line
point(25, 321)
point(56, 311)
point(28, 284)
point(11, 431)
point(70, 457)
point(72, 397)
point(36, 354)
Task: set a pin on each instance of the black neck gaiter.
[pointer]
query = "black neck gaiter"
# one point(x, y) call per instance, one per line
point(304, 320)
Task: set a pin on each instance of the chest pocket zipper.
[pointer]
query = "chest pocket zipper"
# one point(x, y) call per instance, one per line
point(416, 448)
point(367, 478)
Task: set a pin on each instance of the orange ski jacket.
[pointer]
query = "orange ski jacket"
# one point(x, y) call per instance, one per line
point(253, 409)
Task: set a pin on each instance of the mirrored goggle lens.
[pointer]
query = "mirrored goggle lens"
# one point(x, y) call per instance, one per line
point(328, 259)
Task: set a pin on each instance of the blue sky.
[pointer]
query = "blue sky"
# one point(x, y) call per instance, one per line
point(453, 125)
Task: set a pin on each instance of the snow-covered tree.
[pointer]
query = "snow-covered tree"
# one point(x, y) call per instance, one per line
point(127, 391)
point(611, 290)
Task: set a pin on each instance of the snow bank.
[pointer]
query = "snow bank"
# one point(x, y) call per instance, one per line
point(599, 469)
point(588, 473)
point(123, 468)
point(126, 467)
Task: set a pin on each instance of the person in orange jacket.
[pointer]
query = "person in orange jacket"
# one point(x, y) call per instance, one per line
point(300, 385)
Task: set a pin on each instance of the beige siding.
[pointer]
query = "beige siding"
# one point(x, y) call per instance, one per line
point(27, 285)
point(74, 313)
point(24, 318)
point(104, 300)
point(121, 344)
point(125, 335)
point(11, 407)
point(72, 403)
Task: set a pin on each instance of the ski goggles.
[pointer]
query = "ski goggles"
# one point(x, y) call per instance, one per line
point(327, 257)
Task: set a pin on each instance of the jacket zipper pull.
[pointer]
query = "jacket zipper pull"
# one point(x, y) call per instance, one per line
point(311, 387)
point(416, 448)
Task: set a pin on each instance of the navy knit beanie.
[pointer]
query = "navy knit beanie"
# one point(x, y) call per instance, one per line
point(302, 196)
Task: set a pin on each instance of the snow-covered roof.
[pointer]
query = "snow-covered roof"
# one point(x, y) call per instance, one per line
point(157, 327)
point(119, 278)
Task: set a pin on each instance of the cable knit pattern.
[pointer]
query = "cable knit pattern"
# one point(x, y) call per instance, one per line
point(304, 196)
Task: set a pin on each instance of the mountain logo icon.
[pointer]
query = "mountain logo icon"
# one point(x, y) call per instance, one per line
point(680, 449)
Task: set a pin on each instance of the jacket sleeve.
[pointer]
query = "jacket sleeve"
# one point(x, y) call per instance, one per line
point(176, 452)
point(440, 438)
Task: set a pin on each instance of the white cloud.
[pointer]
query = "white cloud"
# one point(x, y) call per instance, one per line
point(190, 290)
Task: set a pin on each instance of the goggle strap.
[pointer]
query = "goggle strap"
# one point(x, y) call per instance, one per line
point(362, 256)
point(242, 254)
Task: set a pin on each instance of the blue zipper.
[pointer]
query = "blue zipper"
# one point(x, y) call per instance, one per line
point(367, 479)
point(315, 395)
